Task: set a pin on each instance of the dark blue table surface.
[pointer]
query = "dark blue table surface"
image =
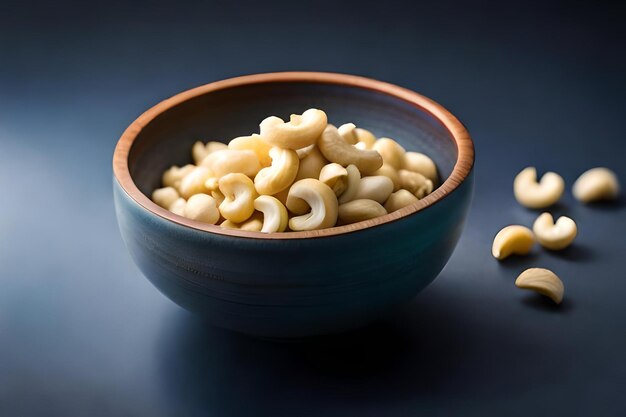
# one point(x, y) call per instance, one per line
point(83, 333)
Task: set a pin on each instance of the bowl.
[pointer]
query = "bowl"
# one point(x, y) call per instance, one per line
point(293, 284)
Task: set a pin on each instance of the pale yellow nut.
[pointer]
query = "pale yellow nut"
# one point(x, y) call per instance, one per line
point(543, 281)
point(377, 188)
point(306, 151)
point(335, 149)
point(399, 199)
point(335, 176)
point(218, 196)
point(255, 144)
point(203, 208)
point(178, 206)
point(173, 176)
point(359, 210)
point(311, 165)
point(229, 161)
point(535, 195)
point(595, 185)
point(239, 195)
point(390, 172)
point(515, 239)
point(553, 235)
point(275, 217)
point(199, 150)
point(348, 133)
point(354, 179)
point(299, 132)
point(212, 183)
point(193, 183)
point(422, 164)
point(322, 201)
point(280, 174)
point(253, 224)
point(165, 197)
point(365, 138)
point(416, 183)
point(214, 146)
point(391, 151)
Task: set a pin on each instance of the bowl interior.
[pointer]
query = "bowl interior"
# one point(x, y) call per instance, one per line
point(237, 111)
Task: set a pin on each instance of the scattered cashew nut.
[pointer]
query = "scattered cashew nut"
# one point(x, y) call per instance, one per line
point(335, 149)
point(299, 132)
point(322, 200)
point(193, 183)
point(165, 196)
point(335, 176)
point(348, 133)
point(178, 207)
point(553, 235)
point(511, 240)
point(596, 184)
point(415, 182)
point(255, 144)
point(536, 195)
point(399, 199)
point(239, 194)
point(203, 208)
point(543, 281)
point(422, 164)
point(228, 161)
point(275, 217)
point(359, 210)
point(354, 178)
point(280, 174)
point(391, 151)
point(390, 172)
point(377, 188)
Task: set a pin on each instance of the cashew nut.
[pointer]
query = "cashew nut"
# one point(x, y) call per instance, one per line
point(193, 183)
point(348, 133)
point(416, 183)
point(178, 206)
point(399, 199)
point(199, 150)
point(299, 132)
point(335, 149)
point(359, 210)
point(335, 176)
point(255, 144)
point(165, 197)
point(253, 224)
point(354, 178)
point(280, 174)
point(306, 151)
point(595, 185)
point(552, 235)
point(391, 151)
point(229, 161)
point(420, 163)
point(511, 240)
point(390, 172)
point(212, 183)
point(377, 188)
point(543, 281)
point(218, 196)
point(311, 165)
point(239, 195)
point(173, 176)
point(275, 216)
point(366, 139)
point(322, 200)
point(203, 208)
point(535, 195)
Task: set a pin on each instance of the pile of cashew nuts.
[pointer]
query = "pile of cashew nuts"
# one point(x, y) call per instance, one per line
point(303, 174)
point(594, 185)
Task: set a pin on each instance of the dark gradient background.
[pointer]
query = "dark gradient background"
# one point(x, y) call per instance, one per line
point(82, 333)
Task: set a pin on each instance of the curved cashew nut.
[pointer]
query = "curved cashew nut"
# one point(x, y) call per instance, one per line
point(335, 176)
point(348, 133)
point(239, 195)
point(390, 172)
point(322, 201)
point(228, 161)
point(511, 240)
point(218, 196)
point(275, 215)
point(193, 183)
point(165, 197)
point(391, 151)
point(335, 149)
point(354, 178)
point(533, 194)
point(422, 164)
point(253, 224)
point(255, 144)
point(359, 210)
point(595, 185)
point(173, 176)
point(543, 281)
point(553, 235)
point(377, 188)
point(203, 208)
point(399, 199)
point(416, 183)
point(280, 174)
point(299, 132)
point(199, 150)
point(178, 207)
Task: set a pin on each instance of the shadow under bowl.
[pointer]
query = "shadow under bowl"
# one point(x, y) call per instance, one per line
point(294, 284)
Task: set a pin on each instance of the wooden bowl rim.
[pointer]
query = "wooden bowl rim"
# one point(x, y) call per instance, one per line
point(461, 170)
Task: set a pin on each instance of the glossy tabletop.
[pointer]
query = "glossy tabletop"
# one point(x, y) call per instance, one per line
point(82, 332)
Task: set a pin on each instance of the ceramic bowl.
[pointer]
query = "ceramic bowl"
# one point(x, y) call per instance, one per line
point(292, 284)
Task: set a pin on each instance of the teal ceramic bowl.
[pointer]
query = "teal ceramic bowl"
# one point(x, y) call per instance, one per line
point(294, 284)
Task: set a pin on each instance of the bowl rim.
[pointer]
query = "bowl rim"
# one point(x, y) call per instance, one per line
point(461, 170)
